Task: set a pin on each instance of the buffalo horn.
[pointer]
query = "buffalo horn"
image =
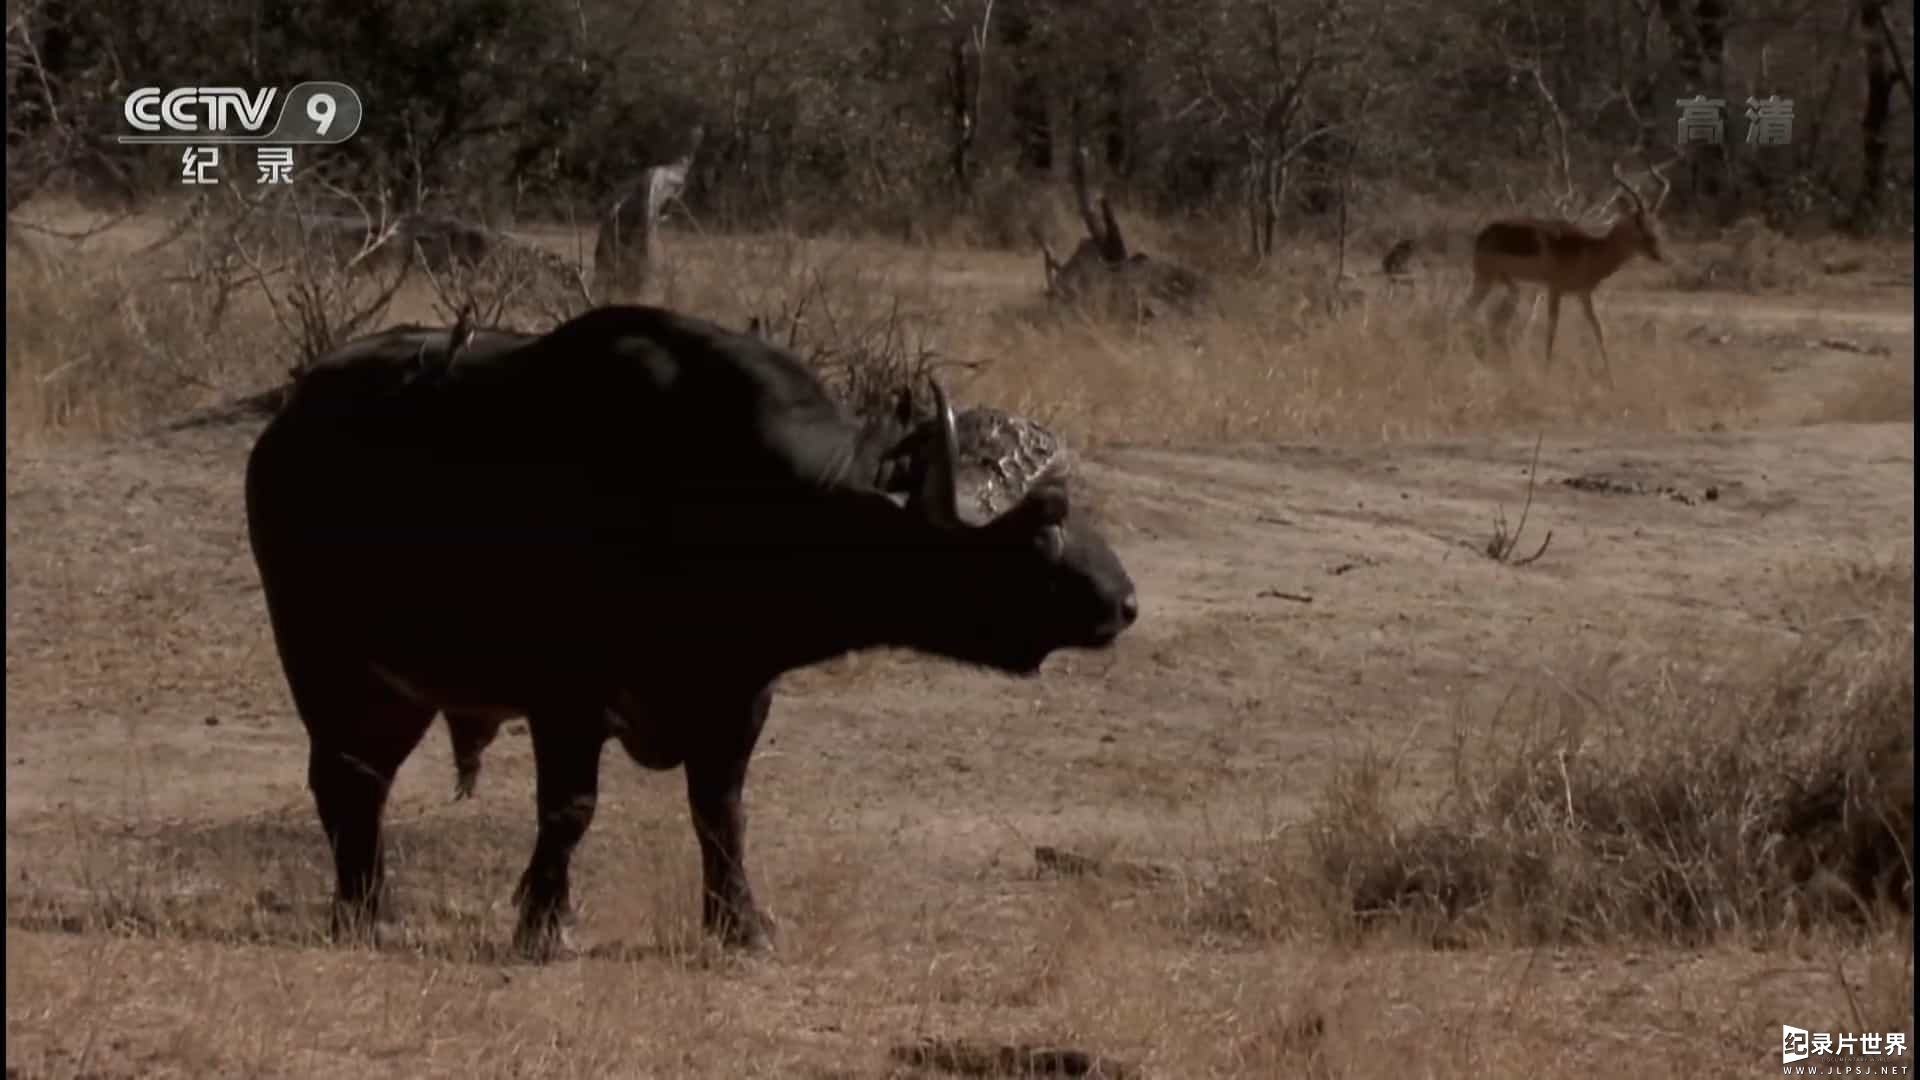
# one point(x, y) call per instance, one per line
point(939, 484)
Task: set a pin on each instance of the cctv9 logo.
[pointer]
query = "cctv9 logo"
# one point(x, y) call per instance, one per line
point(311, 112)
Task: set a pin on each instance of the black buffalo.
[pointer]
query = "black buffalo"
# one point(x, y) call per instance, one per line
point(627, 528)
point(423, 349)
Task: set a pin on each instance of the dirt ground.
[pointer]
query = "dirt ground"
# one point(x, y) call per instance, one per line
point(166, 877)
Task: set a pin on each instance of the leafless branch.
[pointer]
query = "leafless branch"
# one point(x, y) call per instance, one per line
point(1501, 547)
point(319, 300)
point(1893, 50)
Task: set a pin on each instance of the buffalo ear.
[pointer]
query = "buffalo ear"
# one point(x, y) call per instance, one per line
point(1044, 506)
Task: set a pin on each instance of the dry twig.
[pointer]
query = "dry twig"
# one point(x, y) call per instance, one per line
point(1501, 546)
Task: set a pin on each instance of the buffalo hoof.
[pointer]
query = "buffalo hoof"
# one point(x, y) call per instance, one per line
point(352, 924)
point(752, 935)
point(544, 946)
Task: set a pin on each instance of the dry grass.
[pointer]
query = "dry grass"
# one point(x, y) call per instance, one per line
point(1750, 257)
point(99, 347)
point(1633, 805)
point(1673, 805)
point(1387, 369)
point(1282, 356)
point(1677, 911)
point(1873, 393)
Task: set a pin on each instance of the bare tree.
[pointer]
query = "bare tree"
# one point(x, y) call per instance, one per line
point(1275, 140)
point(511, 283)
point(1883, 66)
point(966, 64)
point(628, 239)
point(319, 300)
point(49, 136)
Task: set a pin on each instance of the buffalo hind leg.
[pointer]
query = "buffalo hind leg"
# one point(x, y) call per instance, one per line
point(357, 747)
point(716, 777)
point(566, 758)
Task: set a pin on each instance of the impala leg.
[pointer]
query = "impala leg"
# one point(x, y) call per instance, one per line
point(1599, 338)
point(566, 760)
point(1553, 322)
point(1476, 296)
point(1503, 312)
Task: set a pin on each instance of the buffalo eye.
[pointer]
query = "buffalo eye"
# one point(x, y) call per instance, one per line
point(1051, 542)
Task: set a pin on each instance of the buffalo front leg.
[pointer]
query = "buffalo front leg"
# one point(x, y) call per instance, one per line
point(716, 777)
point(566, 759)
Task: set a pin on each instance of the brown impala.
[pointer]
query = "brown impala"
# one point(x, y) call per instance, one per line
point(1565, 257)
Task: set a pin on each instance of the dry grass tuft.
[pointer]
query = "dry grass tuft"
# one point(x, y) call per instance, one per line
point(1388, 363)
point(1682, 809)
point(1873, 393)
point(114, 343)
point(99, 350)
point(1752, 259)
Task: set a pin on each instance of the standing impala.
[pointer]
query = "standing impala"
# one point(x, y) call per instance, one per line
point(1565, 258)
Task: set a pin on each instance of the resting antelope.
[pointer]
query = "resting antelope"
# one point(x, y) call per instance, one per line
point(1565, 258)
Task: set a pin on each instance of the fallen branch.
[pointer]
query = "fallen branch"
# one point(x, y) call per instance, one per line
point(1053, 860)
point(972, 1058)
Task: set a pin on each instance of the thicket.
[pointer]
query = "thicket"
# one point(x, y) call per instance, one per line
point(873, 114)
